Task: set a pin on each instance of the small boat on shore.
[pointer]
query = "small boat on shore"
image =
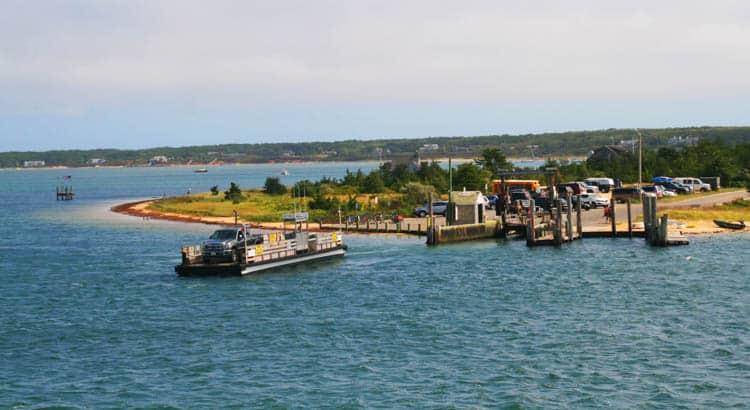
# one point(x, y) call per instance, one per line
point(730, 225)
point(201, 170)
point(238, 251)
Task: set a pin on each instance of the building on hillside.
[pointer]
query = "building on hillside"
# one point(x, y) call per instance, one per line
point(607, 153)
point(429, 147)
point(97, 161)
point(33, 164)
point(158, 160)
point(680, 140)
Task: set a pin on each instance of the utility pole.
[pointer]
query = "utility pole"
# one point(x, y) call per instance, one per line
point(640, 157)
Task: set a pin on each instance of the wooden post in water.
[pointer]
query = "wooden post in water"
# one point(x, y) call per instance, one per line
point(663, 229)
point(531, 225)
point(630, 222)
point(579, 222)
point(430, 223)
point(569, 222)
point(612, 216)
point(558, 222)
point(647, 218)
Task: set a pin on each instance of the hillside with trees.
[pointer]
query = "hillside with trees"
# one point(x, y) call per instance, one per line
point(565, 144)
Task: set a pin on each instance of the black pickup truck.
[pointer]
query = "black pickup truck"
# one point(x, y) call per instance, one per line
point(227, 244)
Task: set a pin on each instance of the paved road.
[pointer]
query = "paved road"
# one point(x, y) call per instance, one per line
point(708, 200)
point(595, 217)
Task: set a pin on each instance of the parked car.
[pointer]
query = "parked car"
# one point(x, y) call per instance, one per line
point(520, 196)
point(576, 187)
point(491, 200)
point(695, 183)
point(593, 200)
point(591, 189)
point(659, 180)
point(604, 184)
point(438, 208)
point(623, 194)
point(676, 188)
point(654, 189)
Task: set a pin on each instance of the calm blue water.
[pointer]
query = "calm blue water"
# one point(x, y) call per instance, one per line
point(93, 315)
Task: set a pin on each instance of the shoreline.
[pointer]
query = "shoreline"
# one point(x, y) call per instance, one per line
point(139, 209)
point(272, 162)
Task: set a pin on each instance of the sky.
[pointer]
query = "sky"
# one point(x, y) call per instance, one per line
point(81, 74)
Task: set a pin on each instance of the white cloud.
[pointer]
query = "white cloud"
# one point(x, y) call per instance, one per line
point(86, 52)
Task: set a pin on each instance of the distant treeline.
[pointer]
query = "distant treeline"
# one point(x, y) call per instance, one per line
point(574, 143)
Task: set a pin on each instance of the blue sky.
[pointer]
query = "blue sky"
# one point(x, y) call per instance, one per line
point(96, 74)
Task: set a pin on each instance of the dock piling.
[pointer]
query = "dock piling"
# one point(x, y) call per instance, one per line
point(612, 215)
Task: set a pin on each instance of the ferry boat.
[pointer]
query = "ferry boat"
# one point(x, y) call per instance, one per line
point(240, 251)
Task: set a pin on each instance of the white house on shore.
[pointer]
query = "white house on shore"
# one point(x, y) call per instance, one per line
point(158, 160)
point(33, 164)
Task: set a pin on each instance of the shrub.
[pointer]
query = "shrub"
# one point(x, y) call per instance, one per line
point(417, 193)
point(273, 186)
point(234, 193)
point(215, 190)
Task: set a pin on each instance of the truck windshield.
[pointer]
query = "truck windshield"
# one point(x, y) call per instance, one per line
point(223, 234)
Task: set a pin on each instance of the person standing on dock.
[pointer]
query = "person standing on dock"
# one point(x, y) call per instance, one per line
point(607, 213)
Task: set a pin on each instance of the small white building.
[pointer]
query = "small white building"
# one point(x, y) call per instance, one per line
point(32, 164)
point(97, 161)
point(469, 207)
point(159, 159)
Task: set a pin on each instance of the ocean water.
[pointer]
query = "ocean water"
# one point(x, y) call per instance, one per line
point(93, 315)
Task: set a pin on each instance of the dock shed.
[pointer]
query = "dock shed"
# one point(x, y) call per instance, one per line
point(469, 207)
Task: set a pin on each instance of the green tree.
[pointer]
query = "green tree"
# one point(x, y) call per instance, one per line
point(416, 193)
point(273, 186)
point(470, 176)
point(215, 190)
point(373, 183)
point(493, 160)
point(433, 174)
point(234, 193)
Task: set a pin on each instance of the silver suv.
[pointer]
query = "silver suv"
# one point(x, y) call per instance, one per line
point(695, 183)
point(438, 208)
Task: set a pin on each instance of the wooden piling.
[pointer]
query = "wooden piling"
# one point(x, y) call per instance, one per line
point(630, 222)
point(612, 215)
point(558, 223)
point(579, 222)
point(531, 225)
point(569, 222)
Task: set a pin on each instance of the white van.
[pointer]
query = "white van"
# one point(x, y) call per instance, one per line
point(695, 183)
point(604, 184)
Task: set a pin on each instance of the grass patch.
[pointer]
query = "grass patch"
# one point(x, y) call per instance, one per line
point(668, 199)
point(257, 206)
point(734, 211)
